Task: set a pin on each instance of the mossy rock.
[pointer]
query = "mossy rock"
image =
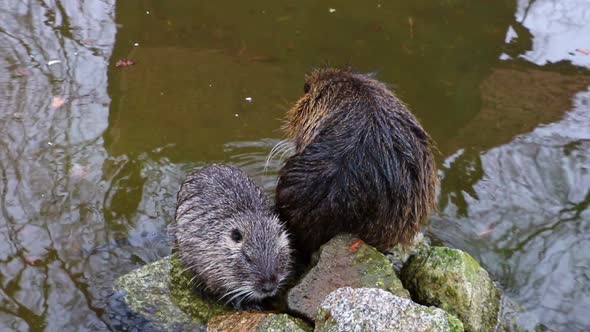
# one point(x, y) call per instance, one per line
point(344, 261)
point(452, 280)
point(256, 321)
point(371, 309)
point(161, 294)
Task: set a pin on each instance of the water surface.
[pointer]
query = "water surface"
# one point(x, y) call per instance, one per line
point(91, 155)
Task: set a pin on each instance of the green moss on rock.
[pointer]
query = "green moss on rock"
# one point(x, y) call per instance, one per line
point(186, 297)
point(452, 280)
point(256, 321)
point(283, 322)
point(161, 294)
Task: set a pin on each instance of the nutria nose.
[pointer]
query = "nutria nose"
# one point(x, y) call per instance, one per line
point(268, 287)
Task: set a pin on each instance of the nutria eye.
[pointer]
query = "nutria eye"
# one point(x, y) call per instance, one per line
point(236, 235)
point(306, 87)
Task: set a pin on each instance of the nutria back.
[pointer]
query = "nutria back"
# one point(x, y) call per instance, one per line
point(362, 164)
point(227, 235)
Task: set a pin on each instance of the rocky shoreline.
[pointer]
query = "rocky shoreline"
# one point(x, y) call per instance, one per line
point(350, 286)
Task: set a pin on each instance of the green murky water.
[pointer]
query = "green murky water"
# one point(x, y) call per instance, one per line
point(91, 154)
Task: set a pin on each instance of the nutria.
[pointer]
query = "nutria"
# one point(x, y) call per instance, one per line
point(363, 164)
point(226, 233)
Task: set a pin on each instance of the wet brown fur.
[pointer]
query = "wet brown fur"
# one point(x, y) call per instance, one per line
point(362, 164)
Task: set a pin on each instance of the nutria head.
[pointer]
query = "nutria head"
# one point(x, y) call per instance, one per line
point(226, 233)
point(325, 91)
point(258, 257)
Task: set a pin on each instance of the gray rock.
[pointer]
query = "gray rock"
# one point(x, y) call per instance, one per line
point(370, 309)
point(160, 294)
point(256, 321)
point(453, 281)
point(344, 261)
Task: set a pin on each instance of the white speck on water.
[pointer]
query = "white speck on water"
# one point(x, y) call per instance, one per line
point(147, 12)
point(49, 143)
point(136, 44)
point(236, 115)
point(331, 10)
point(249, 99)
point(53, 62)
point(210, 85)
point(378, 5)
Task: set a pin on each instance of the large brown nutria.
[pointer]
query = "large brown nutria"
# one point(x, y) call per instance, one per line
point(226, 233)
point(363, 164)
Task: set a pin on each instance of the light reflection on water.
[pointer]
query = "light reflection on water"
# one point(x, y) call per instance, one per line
point(89, 186)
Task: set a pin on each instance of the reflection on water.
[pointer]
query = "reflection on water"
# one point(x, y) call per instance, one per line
point(91, 155)
point(529, 217)
point(558, 28)
point(51, 157)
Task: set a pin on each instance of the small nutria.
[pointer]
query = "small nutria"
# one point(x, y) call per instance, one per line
point(362, 164)
point(226, 233)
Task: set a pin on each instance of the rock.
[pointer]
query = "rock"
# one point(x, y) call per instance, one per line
point(344, 261)
point(371, 309)
point(453, 281)
point(256, 321)
point(159, 293)
point(399, 255)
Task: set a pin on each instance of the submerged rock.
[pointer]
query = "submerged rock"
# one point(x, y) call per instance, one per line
point(453, 281)
point(256, 321)
point(370, 309)
point(160, 293)
point(344, 261)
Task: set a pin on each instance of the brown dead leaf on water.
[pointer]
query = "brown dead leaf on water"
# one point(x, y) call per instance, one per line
point(57, 102)
point(124, 62)
point(584, 51)
point(488, 231)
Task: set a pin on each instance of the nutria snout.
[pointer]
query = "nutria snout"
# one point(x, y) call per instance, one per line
point(362, 164)
point(227, 235)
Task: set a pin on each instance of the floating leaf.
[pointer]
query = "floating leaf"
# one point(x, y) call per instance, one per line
point(124, 62)
point(57, 102)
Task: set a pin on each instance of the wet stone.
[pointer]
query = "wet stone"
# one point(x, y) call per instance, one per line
point(344, 261)
point(453, 281)
point(158, 297)
point(371, 309)
point(256, 321)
